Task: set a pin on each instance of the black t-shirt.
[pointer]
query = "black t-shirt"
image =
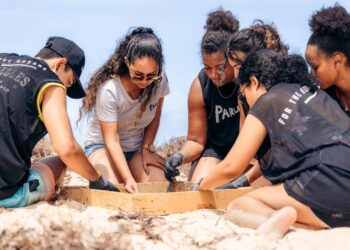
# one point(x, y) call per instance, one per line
point(222, 113)
point(21, 78)
point(332, 92)
point(305, 129)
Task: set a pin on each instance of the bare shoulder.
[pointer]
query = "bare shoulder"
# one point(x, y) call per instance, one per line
point(195, 96)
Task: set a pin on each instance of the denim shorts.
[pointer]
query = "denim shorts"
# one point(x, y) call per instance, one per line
point(32, 191)
point(89, 149)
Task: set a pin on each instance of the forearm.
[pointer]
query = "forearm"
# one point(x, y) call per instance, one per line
point(151, 131)
point(191, 150)
point(75, 159)
point(115, 152)
point(222, 174)
point(253, 173)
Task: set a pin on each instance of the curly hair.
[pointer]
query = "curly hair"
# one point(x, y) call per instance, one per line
point(138, 43)
point(271, 68)
point(257, 36)
point(220, 25)
point(331, 30)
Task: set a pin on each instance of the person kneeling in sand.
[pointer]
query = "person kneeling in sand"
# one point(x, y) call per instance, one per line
point(33, 102)
point(306, 158)
point(124, 100)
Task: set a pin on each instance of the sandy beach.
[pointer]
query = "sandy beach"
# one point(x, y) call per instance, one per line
point(68, 224)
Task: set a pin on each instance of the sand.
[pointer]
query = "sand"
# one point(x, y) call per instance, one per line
point(71, 225)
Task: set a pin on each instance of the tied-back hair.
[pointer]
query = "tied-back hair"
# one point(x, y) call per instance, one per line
point(331, 30)
point(258, 36)
point(271, 68)
point(220, 25)
point(139, 42)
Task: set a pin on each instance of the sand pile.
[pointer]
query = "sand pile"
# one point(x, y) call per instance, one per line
point(71, 225)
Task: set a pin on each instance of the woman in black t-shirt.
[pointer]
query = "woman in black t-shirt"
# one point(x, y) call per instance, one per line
point(243, 43)
point(307, 160)
point(328, 52)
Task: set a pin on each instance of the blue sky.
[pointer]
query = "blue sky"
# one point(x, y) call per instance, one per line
point(97, 26)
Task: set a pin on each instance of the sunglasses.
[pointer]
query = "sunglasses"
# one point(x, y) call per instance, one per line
point(142, 77)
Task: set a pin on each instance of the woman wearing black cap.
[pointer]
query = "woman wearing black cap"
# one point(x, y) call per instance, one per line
point(212, 103)
point(124, 98)
point(328, 52)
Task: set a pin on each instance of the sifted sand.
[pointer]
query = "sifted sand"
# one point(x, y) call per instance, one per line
point(71, 225)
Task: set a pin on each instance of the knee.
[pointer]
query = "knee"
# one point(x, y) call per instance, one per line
point(54, 161)
point(239, 203)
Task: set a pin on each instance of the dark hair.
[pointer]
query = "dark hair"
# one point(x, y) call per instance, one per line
point(271, 68)
point(220, 25)
point(331, 30)
point(46, 53)
point(257, 36)
point(138, 43)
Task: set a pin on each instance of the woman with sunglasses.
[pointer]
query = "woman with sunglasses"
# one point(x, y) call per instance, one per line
point(212, 103)
point(307, 158)
point(124, 100)
point(328, 52)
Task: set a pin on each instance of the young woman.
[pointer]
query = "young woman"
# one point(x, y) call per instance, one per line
point(246, 41)
point(241, 44)
point(307, 161)
point(124, 99)
point(212, 103)
point(328, 52)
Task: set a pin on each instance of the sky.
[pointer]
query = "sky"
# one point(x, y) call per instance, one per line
point(98, 25)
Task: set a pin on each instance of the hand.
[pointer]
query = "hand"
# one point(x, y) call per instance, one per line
point(151, 159)
point(241, 181)
point(102, 184)
point(131, 186)
point(171, 164)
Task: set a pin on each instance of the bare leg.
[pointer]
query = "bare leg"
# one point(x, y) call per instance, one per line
point(204, 167)
point(278, 223)
point(271, 211)
point(155, 175)
point(101, 161)
point(52, 171)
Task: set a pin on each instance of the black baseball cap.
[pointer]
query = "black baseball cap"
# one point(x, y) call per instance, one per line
point(76, 60)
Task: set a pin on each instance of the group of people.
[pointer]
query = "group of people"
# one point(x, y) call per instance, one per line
point(255, 113)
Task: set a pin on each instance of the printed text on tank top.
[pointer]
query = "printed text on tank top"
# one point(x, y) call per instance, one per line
point(296, 97)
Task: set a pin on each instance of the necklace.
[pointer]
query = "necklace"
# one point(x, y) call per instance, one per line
point(230, 95)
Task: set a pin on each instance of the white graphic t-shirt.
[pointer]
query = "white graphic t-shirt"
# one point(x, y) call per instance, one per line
point(113, 104)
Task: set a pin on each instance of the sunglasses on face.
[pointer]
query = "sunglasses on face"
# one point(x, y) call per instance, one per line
point(142, 77)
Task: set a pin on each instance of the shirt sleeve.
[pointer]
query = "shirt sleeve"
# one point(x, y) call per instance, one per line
point(40, 95)
point(107, 104)
point(163, 88)
point(264, 109)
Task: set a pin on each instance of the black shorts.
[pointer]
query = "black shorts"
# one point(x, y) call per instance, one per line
point(208, 152)
point(326, 190)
